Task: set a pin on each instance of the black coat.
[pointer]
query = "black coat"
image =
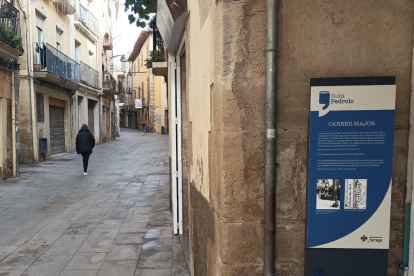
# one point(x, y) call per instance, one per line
point(84, 141)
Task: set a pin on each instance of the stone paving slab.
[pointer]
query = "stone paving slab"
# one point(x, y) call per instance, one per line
point(117, 221)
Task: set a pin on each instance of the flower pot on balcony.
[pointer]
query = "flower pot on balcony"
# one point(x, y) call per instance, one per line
point(38, 67)
point(106, 40)
point(105, 85)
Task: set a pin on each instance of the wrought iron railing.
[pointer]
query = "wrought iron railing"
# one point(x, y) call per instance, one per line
point(10, 25)
point(49, 59)
point(87, 18)
point(158, 42)
point(89, 75)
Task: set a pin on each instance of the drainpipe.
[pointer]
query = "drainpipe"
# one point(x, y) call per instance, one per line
point(113, 117)
point(100, 119)
point(270, 137)
point(16, 114)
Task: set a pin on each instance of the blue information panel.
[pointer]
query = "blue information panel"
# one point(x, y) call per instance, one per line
point(351, 140)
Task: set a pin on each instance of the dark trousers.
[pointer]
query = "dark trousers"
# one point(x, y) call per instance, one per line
point(85, 156)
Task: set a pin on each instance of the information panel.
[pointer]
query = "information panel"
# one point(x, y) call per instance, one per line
point(351, 138)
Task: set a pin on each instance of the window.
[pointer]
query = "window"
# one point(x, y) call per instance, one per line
point(77, 51)
point(40, 107)
point(138, 65)
point(134, 70)
point(39, 34)
point(59, 33)
point(39, 27)
point(39, 38)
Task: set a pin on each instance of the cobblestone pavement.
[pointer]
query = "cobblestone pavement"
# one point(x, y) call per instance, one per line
point(117, 221)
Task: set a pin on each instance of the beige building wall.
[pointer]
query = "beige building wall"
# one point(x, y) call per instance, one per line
point(90, 53)
point(142, 81)
point(224, 139)
point(87, 49)
point(164, 105)
point(53, 21)
point(158, 104)
point(6, 129)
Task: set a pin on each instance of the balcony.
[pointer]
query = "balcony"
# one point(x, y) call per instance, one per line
point(110, 86)
point(89, 76)
point(10, 39)
point(51, 65)
point(107, 43)
point(160, 68)
point(66, 6)
point(87, 23)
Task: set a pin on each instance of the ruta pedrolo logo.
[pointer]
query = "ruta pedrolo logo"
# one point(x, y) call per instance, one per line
point(364, 238)
point(324, 99)
point(327, 100)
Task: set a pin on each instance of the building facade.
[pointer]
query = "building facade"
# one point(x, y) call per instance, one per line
point(216, 70)
point(142, 83)
point(11, 49)
point(64, 83)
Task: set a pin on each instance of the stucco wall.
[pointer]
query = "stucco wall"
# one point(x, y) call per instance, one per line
point(26, 155)
point(53, 18)
point(200, 76)
point(87, 50)
point(226, 106)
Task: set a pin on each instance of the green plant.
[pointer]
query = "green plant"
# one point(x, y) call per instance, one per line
point(141, 9)
point(16, 41)
point(5, 33)
point(106, 35)
point(155, 56)
point(106, 82)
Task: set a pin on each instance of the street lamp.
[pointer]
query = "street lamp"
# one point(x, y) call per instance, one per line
point(123, 58)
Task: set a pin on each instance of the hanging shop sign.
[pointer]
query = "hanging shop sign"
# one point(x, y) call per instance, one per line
point(351, 138)
point(138, 103)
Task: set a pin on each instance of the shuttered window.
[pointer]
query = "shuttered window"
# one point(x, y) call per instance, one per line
point(91, 117)
point(57, 130)
point(40, 110)
point(39, 20)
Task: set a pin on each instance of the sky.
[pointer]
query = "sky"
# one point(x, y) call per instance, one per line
point(125, 34)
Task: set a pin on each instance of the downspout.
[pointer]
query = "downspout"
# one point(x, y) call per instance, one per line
point(270, 137)
point(16, 114)
point(100, 119)
point(113, 116)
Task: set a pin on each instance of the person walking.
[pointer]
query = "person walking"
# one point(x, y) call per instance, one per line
point(144, 126)
point(84, 145)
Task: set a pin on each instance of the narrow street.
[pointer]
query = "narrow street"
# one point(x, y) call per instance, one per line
point(116, 221)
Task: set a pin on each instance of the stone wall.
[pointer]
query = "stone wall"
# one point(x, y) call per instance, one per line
point(317, 38)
